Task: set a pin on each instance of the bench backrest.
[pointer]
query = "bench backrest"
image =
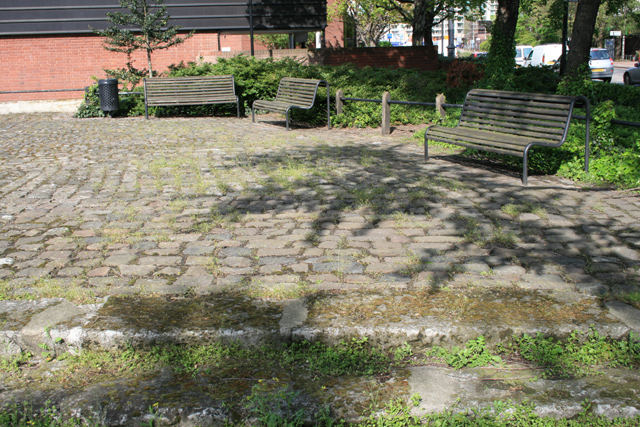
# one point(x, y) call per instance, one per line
point(298, 92)
point(533, 115)
point(189, 90)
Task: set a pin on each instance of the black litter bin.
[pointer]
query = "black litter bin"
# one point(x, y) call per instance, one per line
point(108, 94)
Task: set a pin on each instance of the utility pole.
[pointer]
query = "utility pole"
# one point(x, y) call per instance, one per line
point(452, 34)
point(251, 25)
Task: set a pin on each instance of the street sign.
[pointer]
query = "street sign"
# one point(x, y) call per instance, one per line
point(615, 33)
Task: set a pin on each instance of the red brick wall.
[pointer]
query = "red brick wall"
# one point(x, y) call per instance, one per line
point(419, 57)
point(68, 62)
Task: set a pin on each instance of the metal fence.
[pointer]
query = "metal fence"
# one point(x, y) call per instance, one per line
point(386, 102)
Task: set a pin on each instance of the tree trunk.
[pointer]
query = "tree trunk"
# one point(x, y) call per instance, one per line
point(418, 23)
point(429, 17)
point(149, 61)
point(501, 62)
point(503, 30)
point(583, 27)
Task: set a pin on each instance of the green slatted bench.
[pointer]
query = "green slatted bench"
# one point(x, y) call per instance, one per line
point(293, 93)
point(511, 123)
point(176, 91)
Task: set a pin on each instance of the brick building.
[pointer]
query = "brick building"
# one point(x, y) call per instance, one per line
point(50, 53)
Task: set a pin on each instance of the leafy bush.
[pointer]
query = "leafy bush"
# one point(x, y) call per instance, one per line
point(130, 105)
point(90, 106)
point(464, 73)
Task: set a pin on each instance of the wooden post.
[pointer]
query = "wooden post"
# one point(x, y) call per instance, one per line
point(386, 113)
point(339, 96)
point(440, 99)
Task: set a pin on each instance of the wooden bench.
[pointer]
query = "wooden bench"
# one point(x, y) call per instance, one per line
point(293, 93)
point(176, 91)
point(511, 123)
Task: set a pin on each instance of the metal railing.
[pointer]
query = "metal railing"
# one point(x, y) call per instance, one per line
point(4, 92)
point(386, 101)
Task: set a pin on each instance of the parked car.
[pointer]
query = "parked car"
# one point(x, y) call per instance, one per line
point(479, 54)
point(601, 64)
point(632, 75)
point(544, 55)
point(522, 51)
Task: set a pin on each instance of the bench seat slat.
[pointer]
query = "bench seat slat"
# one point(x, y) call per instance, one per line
point(552, 114)
point(523, 96)
point(555, 135)
point(483, 137)
point(520, 103)
point(513, 122)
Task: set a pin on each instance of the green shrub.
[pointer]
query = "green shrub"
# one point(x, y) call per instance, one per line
point(90, 106)
point(130, 105)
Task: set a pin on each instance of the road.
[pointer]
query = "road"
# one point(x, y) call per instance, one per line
point(618, 70)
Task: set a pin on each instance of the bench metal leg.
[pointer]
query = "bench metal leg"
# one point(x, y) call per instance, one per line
point(328, 106)
point(238, 105)
point(253, 115)
point(524, 165)
point(426, 147)
point(287, 116)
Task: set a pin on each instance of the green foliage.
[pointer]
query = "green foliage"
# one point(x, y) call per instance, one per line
point(580, 351)
point(130, 105)
point(615, 148)
point(275, 403)
point(13, 364)
point(130, 76)
point(355, 357)
point(273, 41)
point(573, 357)
point(150, 20)
point(535, 80)
point(27, 416)
point(500, 414)
point(396, 414)
point(272, 404)
point(90, 106)
point(475, 353)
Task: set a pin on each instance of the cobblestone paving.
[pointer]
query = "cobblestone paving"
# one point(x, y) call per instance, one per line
point(97, 207)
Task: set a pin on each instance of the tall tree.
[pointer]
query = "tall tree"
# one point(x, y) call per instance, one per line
point(501, 60)
point(583, 28)
point(423, 15)
point(150, 21)
point(369, 20)
point(540, 21)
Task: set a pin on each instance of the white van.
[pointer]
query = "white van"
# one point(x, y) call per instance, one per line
point(522, 51)
point(545, 54)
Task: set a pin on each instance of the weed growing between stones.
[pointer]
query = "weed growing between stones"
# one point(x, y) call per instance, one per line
point(506, 239)
point(514, 210)
point(270, 408)
point(262, 385)
point(475, 353)
point(46, 287)
point(277, 292)
point(576, 356)
point(632, 298)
